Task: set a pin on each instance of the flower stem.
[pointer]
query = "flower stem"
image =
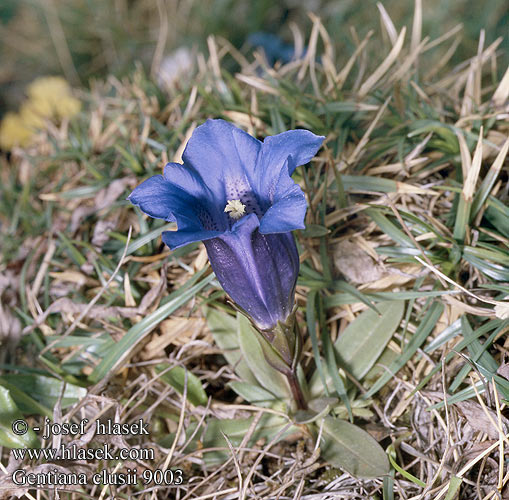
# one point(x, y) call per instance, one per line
point(296, 389)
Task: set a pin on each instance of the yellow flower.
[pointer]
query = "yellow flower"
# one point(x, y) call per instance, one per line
point(68, 107)
point(48, 88)
point(14, 132)
point(33, 114)
point(48, 97)
point(51, 96)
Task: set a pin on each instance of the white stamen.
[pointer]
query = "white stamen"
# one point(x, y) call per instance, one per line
point(235, 208)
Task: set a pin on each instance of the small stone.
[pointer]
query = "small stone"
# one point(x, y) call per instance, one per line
point(354, 263)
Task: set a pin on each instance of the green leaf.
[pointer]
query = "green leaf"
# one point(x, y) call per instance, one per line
point(391, 452)
point(268, 378)
point(462, 395)
point(74, 253)
point(223, 327)
point(479, 356)
point(253, 393)
point(331, 363)
point(25, 403)
point(340, 299)
point(176, 377)
point(446, 132)
point(485, 188)
point(235, 429)
point(343, 286)
point(347, 446)
point(8, 10)
point(495, 271)
point(497, 214)
point(131, 161)
point(9, 413)
point(314, 231)
point(39, 394)
point(454, 486)
point(365, 338)
point(388, 487)
point(321, 381)
point(369, 183)
point(386, 358)
point(363, 341)
point(443, 337)
point(424, 329)
point(497, 325)
point(146, 238)
point(462, 218)
point(389, 228)
point(346, 107)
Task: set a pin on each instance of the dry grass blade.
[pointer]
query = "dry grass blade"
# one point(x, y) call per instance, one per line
point(501, 482)
point(162, 37)
point(169, 456)
point(386, 64)
point(416, 26)
point(387, 23)
point(470, 465)
point(489, 180)
point(257, 83)
point(463, 289)
point(466, 160)
point(360, 148)
point(443, 37)
point(467, 104)
point(244, 492)
point(90, 305)
point(458, 80)
point(311, 52)
point(464, 211)
point(59, 40)
point(444, 60)
point(343, 74)
point(501, 93)
point(404, 70)
point(472, 177)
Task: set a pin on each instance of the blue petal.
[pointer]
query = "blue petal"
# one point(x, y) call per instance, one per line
point(286, 214)
point(158, 198)
point(186, 178)
point(300, 145)
point(189, 180)
point(162, 199)
point(258, 271)
point(285, 203)
point(176, 239)
point(224, 157)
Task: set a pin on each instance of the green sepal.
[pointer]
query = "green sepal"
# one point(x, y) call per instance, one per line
point(272, 356)
point(283, 339)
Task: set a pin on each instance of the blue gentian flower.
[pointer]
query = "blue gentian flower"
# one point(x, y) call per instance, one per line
point(236, 195)
point(273, 47)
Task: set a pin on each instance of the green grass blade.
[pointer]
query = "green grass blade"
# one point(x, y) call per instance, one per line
point(137, 332)
point(420, 335)
point(311, 323)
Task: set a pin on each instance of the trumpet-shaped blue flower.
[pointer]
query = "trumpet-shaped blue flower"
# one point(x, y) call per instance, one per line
point(235, 194)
